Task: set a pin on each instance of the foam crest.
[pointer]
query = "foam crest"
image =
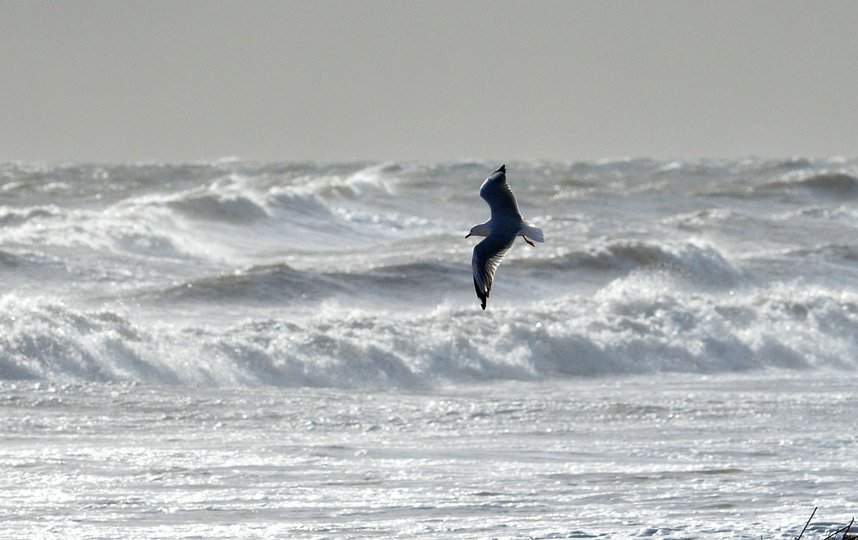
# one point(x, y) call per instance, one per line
point(17, 216)
point(639, 324)
point(105, 231)
point(43, 339)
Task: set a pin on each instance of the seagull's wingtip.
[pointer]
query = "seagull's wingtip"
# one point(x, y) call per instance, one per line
point(480, 294)
point(502, 168)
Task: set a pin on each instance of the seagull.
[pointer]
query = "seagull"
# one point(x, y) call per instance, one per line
point(500, 231)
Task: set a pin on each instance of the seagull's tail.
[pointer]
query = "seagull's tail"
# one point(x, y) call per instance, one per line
point(534, 233)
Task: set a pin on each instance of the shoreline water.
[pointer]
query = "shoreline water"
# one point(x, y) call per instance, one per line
point(672, 456)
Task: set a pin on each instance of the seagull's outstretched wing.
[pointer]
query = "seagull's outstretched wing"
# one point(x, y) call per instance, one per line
point(487, 257)
point(497, 193)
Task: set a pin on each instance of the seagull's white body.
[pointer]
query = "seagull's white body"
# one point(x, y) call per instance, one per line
point(500, 231)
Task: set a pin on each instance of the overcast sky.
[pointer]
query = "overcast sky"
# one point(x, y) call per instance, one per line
point(331, 81)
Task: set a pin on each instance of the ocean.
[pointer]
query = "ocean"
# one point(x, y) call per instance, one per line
point(295, 350)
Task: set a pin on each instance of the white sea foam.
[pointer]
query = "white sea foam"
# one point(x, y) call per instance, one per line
point(357, 274)
point(637, 324)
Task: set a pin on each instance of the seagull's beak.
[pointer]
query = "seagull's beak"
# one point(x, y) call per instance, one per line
point(467, 235)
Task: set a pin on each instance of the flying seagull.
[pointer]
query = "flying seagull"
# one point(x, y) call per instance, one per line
point(500, 231)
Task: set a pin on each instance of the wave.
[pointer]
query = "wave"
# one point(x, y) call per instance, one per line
point(827, 184)
point(102, 231)
point(358, 274)
point(9, 260)
point(16, 216)
point(692, 263)
point(429, 282)
point(269, 283)
point(833, 184)
point(637, 325)
point(280, 283)
point(189, 224)
point(419, 282)
point(230, 209)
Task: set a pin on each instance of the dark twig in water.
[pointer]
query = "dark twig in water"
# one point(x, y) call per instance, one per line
point(845, 530)
point(806, 524)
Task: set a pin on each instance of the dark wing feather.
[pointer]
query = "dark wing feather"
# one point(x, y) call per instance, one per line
point(487, 257)
point(497, 193)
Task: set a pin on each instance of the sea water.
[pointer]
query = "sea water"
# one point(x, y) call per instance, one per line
point(295, 350)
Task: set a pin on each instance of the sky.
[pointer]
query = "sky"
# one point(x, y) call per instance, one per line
point(141, 81)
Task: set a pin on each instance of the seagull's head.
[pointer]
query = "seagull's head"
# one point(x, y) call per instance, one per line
point(479, 230)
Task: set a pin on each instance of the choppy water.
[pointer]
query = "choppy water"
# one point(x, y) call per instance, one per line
point(739, 456)
point(232, 349)
point(358, 275)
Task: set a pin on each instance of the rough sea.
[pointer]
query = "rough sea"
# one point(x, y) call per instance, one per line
point(295, 350)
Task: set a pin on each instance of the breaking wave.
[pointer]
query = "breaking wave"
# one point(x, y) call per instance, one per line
point(358, 274)
point(635, 325)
